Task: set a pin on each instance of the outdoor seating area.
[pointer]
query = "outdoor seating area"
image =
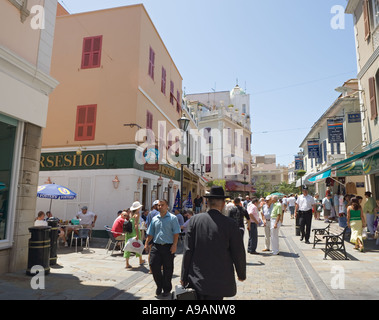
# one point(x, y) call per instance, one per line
point(112, 241)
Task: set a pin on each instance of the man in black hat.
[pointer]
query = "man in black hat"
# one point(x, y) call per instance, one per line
point(213, 245)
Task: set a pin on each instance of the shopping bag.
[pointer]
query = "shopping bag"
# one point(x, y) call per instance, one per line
point(364, 233)
point(134, 245)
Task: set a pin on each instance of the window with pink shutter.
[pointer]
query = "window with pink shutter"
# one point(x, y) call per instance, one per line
point(178, 102)
point(85, 123)
point(163, 81)
point(172, 97)
point(208, 164)
point(149, 120)
point(372, 96)
point(91, 56)
point(151, 63)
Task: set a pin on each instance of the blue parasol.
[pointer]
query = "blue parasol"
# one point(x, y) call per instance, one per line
point(189, 201)
point(177, 202)
point(55, 191)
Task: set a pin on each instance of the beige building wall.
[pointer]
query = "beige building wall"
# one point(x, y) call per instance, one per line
point(124, 93)
point(367, 50)
point(121, 87)
point(26, 36)
point(25, 85)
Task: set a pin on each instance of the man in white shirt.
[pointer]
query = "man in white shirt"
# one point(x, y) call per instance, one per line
point(303, 208)
point(266, 217)
point(87, 218)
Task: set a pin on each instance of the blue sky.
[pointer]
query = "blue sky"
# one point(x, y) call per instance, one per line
point(285, 53)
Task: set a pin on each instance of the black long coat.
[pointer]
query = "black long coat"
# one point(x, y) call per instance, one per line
point(213, 247)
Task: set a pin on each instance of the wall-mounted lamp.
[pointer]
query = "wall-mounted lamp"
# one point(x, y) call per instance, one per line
point(160, 181)
point(170, 183)
point(139, 183)
point(48, 181)
point(115, 182)
point(80, 149)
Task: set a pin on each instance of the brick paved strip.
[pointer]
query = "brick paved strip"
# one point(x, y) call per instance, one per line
point(313, 281)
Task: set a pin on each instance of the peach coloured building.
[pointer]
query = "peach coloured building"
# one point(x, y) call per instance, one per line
point(116, 76)
point(26, 42)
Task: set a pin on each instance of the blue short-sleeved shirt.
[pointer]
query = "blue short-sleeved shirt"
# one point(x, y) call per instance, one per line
point(163, 229)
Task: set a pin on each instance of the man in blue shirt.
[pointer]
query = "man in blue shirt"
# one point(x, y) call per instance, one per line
point(164, 230)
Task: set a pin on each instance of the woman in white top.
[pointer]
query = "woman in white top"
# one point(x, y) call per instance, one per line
point(40, 221)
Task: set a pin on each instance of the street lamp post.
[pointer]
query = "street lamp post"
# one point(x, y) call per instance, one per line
point(183, 123)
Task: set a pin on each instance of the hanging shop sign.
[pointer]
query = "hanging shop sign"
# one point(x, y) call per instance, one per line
point(313, 149)
point(299, 164)
point(335, 130)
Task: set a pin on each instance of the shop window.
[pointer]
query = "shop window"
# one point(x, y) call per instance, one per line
point(7, 142)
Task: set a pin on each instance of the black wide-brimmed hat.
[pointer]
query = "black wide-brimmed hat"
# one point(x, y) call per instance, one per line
point(217, 192)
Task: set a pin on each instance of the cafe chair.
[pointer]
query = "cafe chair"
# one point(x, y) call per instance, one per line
point(83, 233)
point(112, 241)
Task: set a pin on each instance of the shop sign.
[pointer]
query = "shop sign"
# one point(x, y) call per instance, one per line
point(313, 149)
point(335, 130)
point(69, 161)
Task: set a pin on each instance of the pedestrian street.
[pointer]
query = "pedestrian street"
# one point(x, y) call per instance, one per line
point(297, 273)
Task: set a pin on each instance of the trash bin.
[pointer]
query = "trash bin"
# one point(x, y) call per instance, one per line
point(53, 223)
point(39, 249)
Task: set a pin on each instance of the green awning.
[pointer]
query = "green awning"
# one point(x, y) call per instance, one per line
point(352, 169)
point(371, 164)
point(359, 156)
point(361, 164)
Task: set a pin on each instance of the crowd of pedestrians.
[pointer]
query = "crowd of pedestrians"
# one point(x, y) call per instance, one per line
point(213, 247)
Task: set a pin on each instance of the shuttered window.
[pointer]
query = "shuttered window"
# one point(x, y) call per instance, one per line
point(151, 63)
point(163, 81)
point(208, 164)
point(172, 97)
point(91, 56)
point(373, 105)
point(366, 18)
point(149, 120)
point(85, 123)
point(178, 102)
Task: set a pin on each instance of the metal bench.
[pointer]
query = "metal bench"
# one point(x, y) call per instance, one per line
point(318, 233)
point(334, 237)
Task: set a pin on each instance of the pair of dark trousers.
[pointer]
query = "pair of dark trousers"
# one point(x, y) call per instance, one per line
point(160, 255)
point(305, 221)
point(253, 238)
